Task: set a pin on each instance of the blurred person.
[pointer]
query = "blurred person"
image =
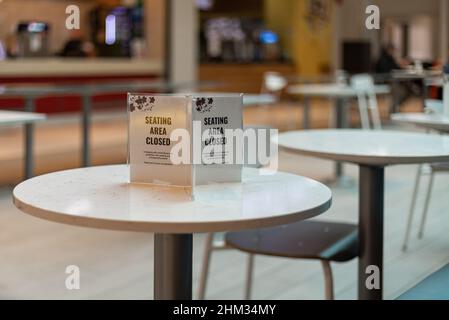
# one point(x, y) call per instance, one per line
point(76, 46)
point(387, 63)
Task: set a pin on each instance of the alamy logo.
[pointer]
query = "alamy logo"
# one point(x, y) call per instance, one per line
point(204, 104)
point(372, 281)
point(72, 282)
point(73, 20)
point(372, 22)
point(141, 103)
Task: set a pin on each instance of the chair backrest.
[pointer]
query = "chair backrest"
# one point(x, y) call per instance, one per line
point(274, 83)
point(367, 101)
point(266, 136)
point(341, 77)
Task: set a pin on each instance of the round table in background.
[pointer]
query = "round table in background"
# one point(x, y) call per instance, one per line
point(371, 151)
point(424, 76)
point(9, 118)
point(340, 93)
point(101, 197)
point(431, 121)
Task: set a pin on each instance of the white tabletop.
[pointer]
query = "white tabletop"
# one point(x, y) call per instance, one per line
point(369, 147)
point(255, 99)
point(435, 81)
point(433, 121)
point(410, 74)
point(331, 90)
point(101, 197)
point(17, 117)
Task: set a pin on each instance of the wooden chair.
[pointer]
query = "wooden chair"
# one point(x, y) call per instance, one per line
point(317, 240)
point(314, 240)
point(323, 241)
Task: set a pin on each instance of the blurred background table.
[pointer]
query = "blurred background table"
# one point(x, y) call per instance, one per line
point(340, 94)
point(431, 121)
point(101, 197)
point(372, 151)
point(8, 118)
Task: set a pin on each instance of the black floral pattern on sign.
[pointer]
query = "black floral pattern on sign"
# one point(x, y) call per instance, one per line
point(204, 104)
point(141, 103)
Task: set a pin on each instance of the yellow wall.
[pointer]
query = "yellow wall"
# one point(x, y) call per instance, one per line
point(310, 48)
point(278, 15)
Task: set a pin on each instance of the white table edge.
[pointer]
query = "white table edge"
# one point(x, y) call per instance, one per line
point(439, 126)
point(296, 90)
point(367, 160)
point(364, 160)
point(36, 117)
point(166, 227)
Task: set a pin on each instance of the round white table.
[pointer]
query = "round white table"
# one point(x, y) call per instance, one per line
point(340, 93)
point(101, 197)
point(412, 75)
point(431, 121)
point(9, 118)
point(258, 99)
point(371, 151)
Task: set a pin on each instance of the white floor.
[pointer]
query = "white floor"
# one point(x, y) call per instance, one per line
point(34, 253)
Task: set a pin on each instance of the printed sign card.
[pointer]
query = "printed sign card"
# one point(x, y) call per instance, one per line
point(213, 117)
point(208, 148)
point(152, 118)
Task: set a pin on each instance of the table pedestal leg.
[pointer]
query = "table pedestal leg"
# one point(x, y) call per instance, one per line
point(424, 93)
point(173, 266)
point(371, 207)
point(86, 117)
point(29, 140)
point(341, 123)
point(395, 91)
point(306, 115)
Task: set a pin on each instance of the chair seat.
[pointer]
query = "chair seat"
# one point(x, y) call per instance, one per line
point(434, 287)
point(303, 240)
point(443, 166)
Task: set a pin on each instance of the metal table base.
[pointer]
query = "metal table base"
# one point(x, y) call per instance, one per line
point(29, 140)
point(173, 266)
point(371, 216)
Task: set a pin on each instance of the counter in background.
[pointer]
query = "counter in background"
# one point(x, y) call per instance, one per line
point(73, 71)
point(241, 77)
point(48, 69)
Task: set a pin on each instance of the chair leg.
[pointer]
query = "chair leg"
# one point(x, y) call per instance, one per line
point(249, 277)
point(363, 111)
point(328, 280)
point(412, 209)
point(205, 268)
point(375, 115)
point(426, 205)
